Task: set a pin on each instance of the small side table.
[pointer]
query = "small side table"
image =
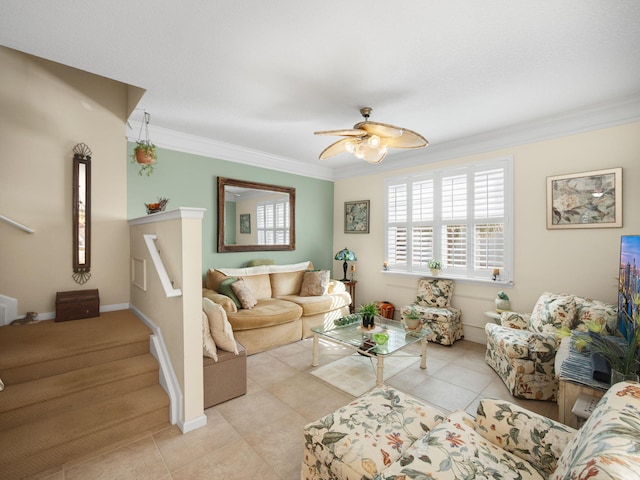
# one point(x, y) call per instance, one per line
point(351, 287)
point(495, 316)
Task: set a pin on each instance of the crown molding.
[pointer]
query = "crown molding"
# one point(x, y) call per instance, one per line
point(596, 117)
point(570, 123)
point(187, 143)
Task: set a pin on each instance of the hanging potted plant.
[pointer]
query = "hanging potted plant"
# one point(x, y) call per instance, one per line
point(144, 152)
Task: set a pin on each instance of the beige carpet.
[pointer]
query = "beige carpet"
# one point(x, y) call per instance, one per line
point(356, 374)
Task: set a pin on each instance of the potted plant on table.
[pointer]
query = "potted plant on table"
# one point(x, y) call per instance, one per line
point(368, 312)
point(411, 319)
point(435, 266)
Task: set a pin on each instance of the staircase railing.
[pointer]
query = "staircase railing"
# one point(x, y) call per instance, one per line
point(150, 241)
point(16, 224)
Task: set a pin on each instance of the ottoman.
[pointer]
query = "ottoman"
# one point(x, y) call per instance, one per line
point(364, 437)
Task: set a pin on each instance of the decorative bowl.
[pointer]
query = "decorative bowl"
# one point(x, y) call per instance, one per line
point(157, 207)
point(381, 338)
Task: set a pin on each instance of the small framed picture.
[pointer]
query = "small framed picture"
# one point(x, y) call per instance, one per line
point(585, 200)
point(356, 217)
point(245, 223)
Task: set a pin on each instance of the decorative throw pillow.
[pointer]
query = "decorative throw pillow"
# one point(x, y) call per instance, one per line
point(208, 344)
point(244, 294)
point(315, 283)
point(225, 289)
point(553, 311)
point(219, 326)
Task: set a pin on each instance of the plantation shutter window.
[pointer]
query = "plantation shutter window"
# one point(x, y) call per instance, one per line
point(459, 215)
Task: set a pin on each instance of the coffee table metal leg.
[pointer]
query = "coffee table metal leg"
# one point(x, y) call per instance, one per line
point(380, 372)
point(314, 360)
point(423, 359)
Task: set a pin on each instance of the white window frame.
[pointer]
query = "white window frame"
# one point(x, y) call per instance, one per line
point(469, 272)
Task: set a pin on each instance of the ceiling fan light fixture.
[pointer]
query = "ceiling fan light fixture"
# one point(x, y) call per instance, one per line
point(370, 141)
point(374, 141)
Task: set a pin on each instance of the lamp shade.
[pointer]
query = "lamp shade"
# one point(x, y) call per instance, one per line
point(345, 255)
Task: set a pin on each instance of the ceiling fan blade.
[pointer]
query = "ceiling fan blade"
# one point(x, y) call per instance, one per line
point(408, 139)
point(382, 130)
point(335, 148)
point(343, 133)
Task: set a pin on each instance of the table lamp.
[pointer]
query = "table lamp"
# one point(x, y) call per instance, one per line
point(345, 255)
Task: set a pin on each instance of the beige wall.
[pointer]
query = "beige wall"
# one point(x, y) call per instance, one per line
point(179, 241)
point(45, 110)
point(581, 261)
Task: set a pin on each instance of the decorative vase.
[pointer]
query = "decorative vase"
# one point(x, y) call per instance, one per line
point(435, 272)
point(412, 323)
point(617, 376)
point(502, 305)
point(368, 321)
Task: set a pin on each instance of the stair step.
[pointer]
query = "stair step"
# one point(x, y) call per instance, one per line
point(24, 402)
point(54, 440)
point(49, 348)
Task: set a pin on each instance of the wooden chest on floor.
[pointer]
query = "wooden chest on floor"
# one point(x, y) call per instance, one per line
point(77, 304)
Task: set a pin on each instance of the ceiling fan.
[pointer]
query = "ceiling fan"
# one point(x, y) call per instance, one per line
point(370, 141)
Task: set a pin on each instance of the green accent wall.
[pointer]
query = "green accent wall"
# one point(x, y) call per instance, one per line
point(189, 180)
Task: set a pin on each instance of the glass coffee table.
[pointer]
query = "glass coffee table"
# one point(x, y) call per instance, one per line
point(359, 339)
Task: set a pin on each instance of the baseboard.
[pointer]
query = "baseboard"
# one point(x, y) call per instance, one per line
point(193, 424)
point(11, 313)
point(168, 378)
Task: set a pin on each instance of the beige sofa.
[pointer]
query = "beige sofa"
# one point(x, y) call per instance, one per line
point(281, 315)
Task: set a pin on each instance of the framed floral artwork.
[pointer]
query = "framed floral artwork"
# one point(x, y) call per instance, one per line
point(585, 200)
point(356, 216)
point(245, 223)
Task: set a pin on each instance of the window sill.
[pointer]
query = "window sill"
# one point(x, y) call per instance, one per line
point(457, 278)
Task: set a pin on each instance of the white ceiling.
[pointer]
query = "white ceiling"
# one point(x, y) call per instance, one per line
point(252, 80)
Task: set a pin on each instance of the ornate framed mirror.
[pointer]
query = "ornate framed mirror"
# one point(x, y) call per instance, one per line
point(81, 213)
point(255, 216)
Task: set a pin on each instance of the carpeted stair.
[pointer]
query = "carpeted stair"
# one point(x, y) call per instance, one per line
point(74, 388)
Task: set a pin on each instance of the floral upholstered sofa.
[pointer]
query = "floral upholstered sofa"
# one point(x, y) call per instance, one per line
point(388, 435)
point(433, 304)
point(522, 349)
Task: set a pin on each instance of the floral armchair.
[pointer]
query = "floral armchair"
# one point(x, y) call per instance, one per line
point(522, 349)
point(433, 304)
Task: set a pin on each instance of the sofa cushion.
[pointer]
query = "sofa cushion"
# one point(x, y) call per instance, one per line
point(221, 329)
point(286, 283)
point(314, 283)
point(364, 437)
point(606, 446)
point(453, 450)
point(258, 285)
point(243, 293)
point(266, 313)
point(553, 311)
point(225, 289)
point(434, 293)
point(531, 436)
point(588, 310)
point(208, 344)
point(321, 304)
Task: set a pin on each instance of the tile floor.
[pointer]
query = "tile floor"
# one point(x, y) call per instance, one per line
point(259, 435)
